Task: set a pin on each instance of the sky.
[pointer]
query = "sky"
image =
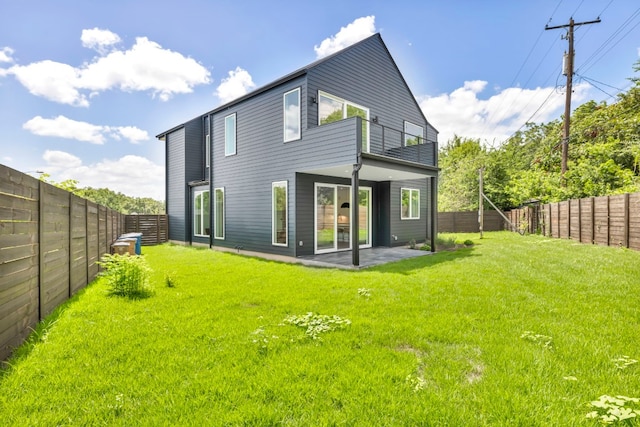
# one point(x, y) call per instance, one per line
point(85, 85)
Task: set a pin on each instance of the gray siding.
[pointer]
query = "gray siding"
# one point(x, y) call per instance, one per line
point(407, 229)
point(176, 185)
point(367, 75)
point(183, 165)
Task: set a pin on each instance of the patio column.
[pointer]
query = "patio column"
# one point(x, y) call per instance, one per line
point(355, 213)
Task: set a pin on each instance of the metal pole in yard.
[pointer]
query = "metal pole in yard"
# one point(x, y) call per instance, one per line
point(480, 201)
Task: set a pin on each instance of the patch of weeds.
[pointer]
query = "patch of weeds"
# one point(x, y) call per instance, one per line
point(364, 292)
point(543, 340)
point(445, 243)
point(623, 362)
point(170, 279)
point(316, 324)
point(614, 410)
point(262, 340)
point(126, 276)
point(425, 248)
point(416, 382)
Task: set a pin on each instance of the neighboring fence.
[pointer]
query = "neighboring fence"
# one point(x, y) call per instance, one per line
point(154, 228)
point(50, 241)
point(467, 222)
point(606, 220)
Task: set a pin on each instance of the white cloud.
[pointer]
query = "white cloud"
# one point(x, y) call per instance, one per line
point(144, 67)
point(63, 127)
point(99, 40)
point(6, 54)
point(358, 30)
point(134, 176)
point(492, 120)
point(7, 159)
point(61, 160)
point(237, 84)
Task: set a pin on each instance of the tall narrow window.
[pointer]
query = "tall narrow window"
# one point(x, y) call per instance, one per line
point(230, 135)
point(413, 134)
point(279, 213)
point(410, 203)
point(207, 141)
point(201, 225)
point(218, 214)
point(292, 115)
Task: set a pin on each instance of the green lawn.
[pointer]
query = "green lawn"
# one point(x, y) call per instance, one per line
point(512, 331)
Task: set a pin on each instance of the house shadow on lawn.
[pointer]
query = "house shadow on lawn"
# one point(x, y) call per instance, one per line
point(408, 266)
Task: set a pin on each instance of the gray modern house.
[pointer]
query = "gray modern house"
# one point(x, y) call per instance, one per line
point(336, 156)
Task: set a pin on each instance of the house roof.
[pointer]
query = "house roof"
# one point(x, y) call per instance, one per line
point(300, 72)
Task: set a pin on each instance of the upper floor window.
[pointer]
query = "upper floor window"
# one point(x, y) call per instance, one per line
point(409, 203)
point(292, 115)
point(230, 135)
point(331, 109)
point(207, 141)
point(413, 134)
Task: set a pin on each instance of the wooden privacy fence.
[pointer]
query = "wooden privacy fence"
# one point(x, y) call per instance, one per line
point(467, 222)
point(154, 228)
point(606, 220)
point(50, 242)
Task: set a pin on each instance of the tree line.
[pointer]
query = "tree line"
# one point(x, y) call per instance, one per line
point(109, 198)
point(603, 159)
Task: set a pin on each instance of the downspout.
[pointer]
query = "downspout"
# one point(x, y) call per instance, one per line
point(211, 195)
point(355, 198)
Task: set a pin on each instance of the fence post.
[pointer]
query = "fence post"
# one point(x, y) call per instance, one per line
point(568, 219)
point(41, 185)
point(580, 220)
point(69, 245)
point(626, 220)
point(593, 220)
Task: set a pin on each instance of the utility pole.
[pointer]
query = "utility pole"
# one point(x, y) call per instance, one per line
point(569, 74)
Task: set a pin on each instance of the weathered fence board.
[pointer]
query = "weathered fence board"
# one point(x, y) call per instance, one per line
point(462, 222)
point(154, 228)
point(50, 241)
point(604, 220)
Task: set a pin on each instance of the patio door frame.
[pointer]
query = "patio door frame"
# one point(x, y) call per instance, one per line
point(335, 215)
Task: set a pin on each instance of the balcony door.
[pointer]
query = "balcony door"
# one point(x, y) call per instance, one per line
point(333, 220)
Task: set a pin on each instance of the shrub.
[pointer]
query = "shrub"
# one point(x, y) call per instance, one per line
point(425, 247)
point(412, 243)
point(126, 276)
point(443, 243)
point(468, 242)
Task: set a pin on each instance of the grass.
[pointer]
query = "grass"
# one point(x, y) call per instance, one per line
point(512, 331)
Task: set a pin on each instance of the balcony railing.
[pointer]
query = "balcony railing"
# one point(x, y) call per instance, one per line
point(389, 142)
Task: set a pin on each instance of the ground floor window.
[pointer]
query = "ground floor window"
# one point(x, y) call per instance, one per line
point(201, 223)
point(410, 203)
point(218, 214)
point(279, 213)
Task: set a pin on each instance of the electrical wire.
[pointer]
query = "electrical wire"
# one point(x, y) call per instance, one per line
point(591, 82)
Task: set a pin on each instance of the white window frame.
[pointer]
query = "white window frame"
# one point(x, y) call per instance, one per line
point(196, 194)
point(284, 119)
point(346, 103)
point(411, 191)
point(207, 141)
point(274, 228)
point(216, 213)
point(227, 150)
point(408, 135)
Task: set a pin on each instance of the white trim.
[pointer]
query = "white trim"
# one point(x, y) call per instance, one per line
point(284, 118)
point(207, 150)
point(235, 135)
point(410, 190)
point(335, 218)
point(345, 103)
point(215, 214)
point(202, 212)
point(274, 229)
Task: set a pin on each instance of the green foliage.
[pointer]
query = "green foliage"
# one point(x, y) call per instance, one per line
point(604, 159)
point(544, 340)
point(615, 410)
point(468, 242)
point(425, 247)
point(127, 276)
point(316, 324)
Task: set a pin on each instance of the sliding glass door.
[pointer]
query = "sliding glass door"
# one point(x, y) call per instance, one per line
point(333, 222)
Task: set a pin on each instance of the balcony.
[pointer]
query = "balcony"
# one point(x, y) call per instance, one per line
point(389, 142)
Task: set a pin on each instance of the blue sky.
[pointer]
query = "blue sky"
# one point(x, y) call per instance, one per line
point(85, 86)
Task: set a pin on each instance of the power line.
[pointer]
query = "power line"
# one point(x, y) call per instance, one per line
point(591, 82)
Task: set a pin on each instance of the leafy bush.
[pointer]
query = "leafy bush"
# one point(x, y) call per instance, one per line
point(316, 324)
point(412, 243)
point(425, 247)
point(127, 276)
point(443, 243)
point(468, 242)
